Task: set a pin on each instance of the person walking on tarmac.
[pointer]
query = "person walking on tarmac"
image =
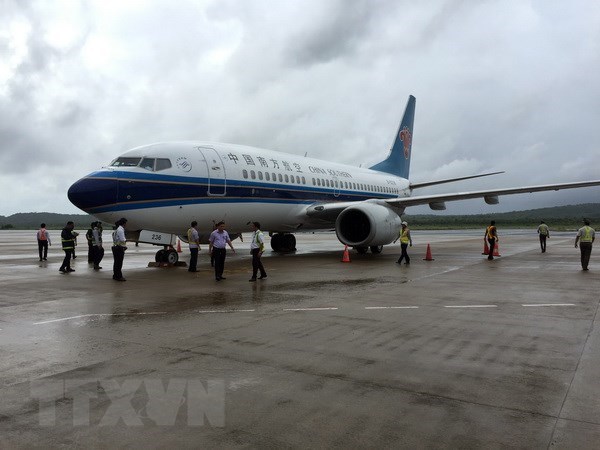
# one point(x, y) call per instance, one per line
point(97, 249)
point(43, 238)
point(491, 234)
point(405, 241)
point(257, 247)
point(544, 233)
point(585, 237)
point(217, 241)
point(118, 249)
point(67, 237)
point(194, 243)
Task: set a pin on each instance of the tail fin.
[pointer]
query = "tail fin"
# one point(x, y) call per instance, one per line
point(398, 161)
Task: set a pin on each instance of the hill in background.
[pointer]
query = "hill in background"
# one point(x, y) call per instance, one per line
point(53, 221)
point(559, 217)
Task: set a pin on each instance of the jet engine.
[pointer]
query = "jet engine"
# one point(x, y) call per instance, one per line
point(367, 224)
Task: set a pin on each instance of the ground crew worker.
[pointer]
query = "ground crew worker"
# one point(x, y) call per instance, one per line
point(98, 249)
point(585, 237)
point(118, 249)
point(491, 234)
point(544, 233)
point(67, 237)
point(194, 243)
point(257, 247)
point(89, 236)
point(43, 238)
point(217, 241)
point(405, 241)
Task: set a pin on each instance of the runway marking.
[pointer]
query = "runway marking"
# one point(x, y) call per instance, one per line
point(471, 306)
point(310, 309)
point(549, 304)
point(225, 311)
point(391, 307)
point(97, 315)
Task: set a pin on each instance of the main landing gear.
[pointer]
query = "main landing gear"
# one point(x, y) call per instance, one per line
point(167, 255)
point(375, 249)
point(283, 242)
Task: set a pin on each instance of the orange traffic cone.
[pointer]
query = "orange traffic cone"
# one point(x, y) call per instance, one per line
point(178, 246)
point(428, 254)
point(346, 256)
point(496, 250)
point(486, 248)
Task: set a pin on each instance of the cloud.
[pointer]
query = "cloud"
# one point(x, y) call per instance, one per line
point(499, 85)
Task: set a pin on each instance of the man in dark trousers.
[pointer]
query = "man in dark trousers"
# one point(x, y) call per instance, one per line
point(491, 234)
point(43, 238)
point(257, 247)
point(194, 244)
point(585, 236)
point(118, 249)
point(67, 237)
point(216, 247)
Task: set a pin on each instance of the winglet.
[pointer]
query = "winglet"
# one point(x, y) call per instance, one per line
point(398, 161)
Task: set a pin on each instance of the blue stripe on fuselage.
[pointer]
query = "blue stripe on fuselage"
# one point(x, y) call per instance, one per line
point(141, 191)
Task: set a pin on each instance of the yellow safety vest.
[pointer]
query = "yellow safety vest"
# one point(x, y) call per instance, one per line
point(489, 233)
point(586, 236)
point(404, 239)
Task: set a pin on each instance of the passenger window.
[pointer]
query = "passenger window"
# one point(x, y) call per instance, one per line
point(267, 176)
point(297, 179)
point(260, 176)
point(280, 178)
point(163, 164)
point(304, 180)
point(287, 179)
point(253, 174)
point(245, 173)
point(291, 178)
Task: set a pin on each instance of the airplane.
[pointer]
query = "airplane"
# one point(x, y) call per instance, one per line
point(161, 188)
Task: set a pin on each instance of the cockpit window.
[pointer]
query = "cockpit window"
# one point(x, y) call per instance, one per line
point(126, 162)
point(148, 164)
point(162, 164)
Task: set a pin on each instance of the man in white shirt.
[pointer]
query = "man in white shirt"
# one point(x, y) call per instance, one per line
point(118, 249)
point(257, 247)
point(194, 243)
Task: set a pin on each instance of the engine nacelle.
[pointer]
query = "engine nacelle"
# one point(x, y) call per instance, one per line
point(367, 224)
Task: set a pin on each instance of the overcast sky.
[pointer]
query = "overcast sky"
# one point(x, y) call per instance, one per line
point(500, 85)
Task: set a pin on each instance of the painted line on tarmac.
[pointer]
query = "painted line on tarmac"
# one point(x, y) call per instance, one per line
point(225, 311)
point(549, 304)
point(470, 306)
point(97, 315)
point(391, 307)
point(310, 309)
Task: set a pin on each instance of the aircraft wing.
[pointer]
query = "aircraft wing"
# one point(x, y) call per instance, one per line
point(437, 201)
point(327, 212)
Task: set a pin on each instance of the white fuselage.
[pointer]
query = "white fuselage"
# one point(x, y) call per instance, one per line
point(210, 182)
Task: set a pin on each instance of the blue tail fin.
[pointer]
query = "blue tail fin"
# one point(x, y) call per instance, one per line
point(398, 161)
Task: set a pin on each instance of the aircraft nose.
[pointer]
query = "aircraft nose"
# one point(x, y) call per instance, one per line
point(89, 193)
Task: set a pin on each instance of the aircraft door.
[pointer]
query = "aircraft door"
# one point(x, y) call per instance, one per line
point(336, 186)
point(217, 179)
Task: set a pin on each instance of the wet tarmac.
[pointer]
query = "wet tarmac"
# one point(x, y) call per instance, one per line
point(459, 352)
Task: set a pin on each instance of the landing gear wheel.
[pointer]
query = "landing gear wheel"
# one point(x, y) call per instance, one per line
point(361, 250)
point(161, 256)
point(283, 243)
point(172, 257)
point(376, 249)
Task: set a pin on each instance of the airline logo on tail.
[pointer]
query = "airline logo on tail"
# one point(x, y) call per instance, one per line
point(406, 139)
